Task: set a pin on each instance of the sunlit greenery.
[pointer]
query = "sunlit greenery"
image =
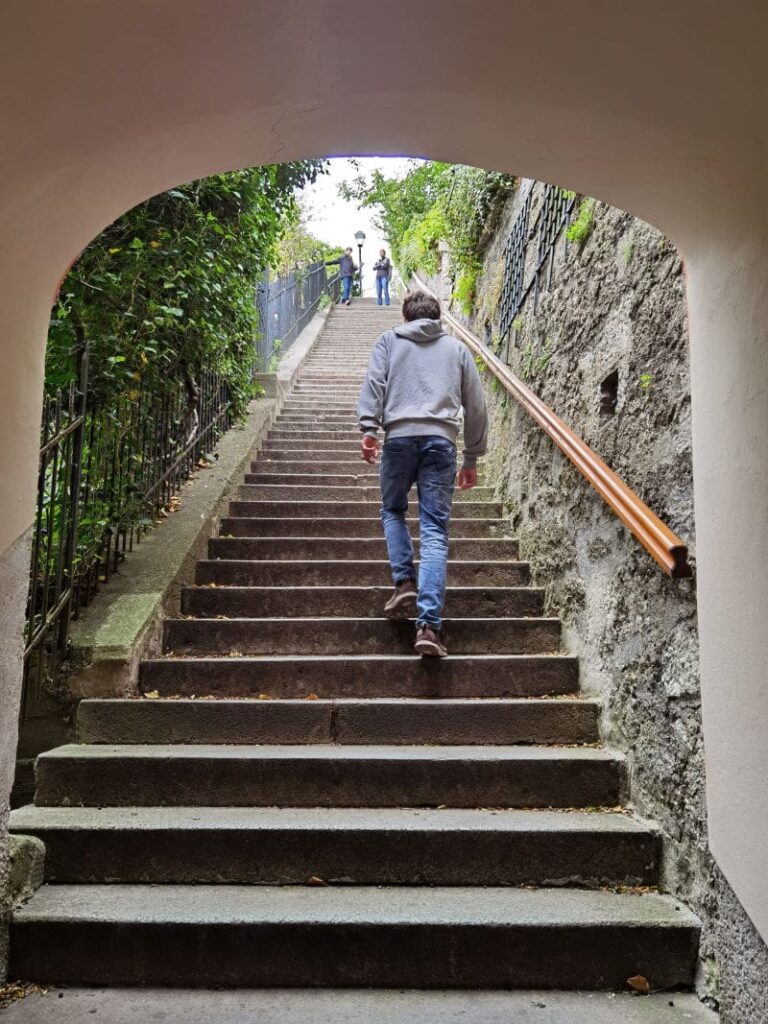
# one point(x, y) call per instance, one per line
point(297, 247)
point(169, 287)
point(433, 203)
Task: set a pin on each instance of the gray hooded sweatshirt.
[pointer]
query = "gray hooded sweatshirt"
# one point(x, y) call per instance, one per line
point(419, 378)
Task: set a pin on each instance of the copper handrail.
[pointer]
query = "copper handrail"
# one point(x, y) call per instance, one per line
point(664, 546)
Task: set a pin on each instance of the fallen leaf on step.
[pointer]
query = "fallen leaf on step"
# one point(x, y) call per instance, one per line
point(314, 880)
point(311, 696)
point(639, 983)
point(152, 694)
point(265, 696)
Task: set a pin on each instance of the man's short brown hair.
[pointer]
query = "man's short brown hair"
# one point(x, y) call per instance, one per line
point(420, 306)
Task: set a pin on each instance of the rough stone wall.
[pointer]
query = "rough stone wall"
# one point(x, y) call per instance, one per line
point(607, 348)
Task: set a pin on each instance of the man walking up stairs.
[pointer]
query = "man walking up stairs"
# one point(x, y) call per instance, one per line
point(418, 382)
point(304, 803)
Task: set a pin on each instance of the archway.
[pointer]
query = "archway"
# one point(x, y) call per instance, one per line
point(651, 108)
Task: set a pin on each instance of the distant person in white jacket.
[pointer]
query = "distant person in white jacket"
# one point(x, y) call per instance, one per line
point(418, 381)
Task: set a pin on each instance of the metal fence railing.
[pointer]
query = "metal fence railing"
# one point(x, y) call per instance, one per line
point(105, 475)
point(286, 306)
point(523, 275)
point(108, 472)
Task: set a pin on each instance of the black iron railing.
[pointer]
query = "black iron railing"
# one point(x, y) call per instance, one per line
point(106, 475)
point(286, 306)
point(524, 275)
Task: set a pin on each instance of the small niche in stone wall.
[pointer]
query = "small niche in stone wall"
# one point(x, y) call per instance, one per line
point(609, 394)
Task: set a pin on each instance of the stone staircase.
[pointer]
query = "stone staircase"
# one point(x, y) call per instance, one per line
point(303, 802)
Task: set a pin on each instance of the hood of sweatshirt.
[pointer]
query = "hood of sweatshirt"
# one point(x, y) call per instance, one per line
point(421, 331)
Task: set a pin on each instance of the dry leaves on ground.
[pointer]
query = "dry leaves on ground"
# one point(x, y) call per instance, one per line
point(639, 983)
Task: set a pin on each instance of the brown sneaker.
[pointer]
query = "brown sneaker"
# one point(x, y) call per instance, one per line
point(429, 643)
point(404, 596)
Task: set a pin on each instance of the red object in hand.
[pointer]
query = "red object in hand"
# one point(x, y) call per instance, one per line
point(467, 479)
point(370, 448)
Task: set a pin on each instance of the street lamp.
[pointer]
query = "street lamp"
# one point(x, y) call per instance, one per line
point(360, 238)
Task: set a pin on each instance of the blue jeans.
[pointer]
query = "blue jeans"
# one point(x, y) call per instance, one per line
point(430, 463)
point(346, 288)
point(382, 288)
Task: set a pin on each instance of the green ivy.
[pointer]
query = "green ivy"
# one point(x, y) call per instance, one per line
point(465, 289)
point(433, 202)
point(169, 287)
point(581, 228)
point(418, 248)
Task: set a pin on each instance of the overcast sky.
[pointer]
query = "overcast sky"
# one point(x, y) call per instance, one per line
point(335, 221)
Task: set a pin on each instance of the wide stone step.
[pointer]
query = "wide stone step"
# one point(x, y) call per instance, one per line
point(180, 775)
point(355, 474)
point(330, 366)
point(338, 462)
point(338, 472)
point(317, 406)
point(265, 492)
point(318, 468)
point(362, 602)
point(323, 397)
point(322, 390)
point(355, 509)
point(287, 433)
point(346, 720)
point(355, 636)
point(346, 413)
point(345, 398)
point(346, 416)
point(322, 454)
point(499, 675)
point(313, 373)
point(420, 937)
point(345, 461)
point(254, 527)
point(340, 411)
point(347, 572)
point(398, 846)
point(303, 449)
point(320, 421)
point(362, 548)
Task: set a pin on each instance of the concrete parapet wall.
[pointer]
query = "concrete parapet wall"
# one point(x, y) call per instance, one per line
point(122, 625)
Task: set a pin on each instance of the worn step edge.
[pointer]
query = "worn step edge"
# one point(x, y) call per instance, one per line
point(334, 509)
point(256, 526)
point(311, 634)
point(323, 601)
point(393, 721)
point(356, 936)
point(356, 675)
point(330, 776)
point(396, 846)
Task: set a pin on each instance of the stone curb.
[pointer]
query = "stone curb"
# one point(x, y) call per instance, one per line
point(123, 624)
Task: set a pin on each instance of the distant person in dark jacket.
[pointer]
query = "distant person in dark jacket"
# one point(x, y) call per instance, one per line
point(347, 269)
point(383, 268)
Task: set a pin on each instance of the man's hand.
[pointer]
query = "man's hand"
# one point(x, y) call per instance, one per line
point(467, 479)
point(369, 447)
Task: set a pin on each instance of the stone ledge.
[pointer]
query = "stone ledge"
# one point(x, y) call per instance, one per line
point(123, 623)
point(27, 868)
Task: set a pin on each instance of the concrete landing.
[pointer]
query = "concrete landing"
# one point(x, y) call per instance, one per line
point(280, 1006)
